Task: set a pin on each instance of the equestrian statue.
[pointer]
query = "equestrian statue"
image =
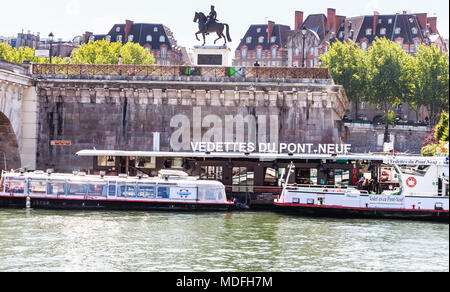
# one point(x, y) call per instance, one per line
point(209, 24)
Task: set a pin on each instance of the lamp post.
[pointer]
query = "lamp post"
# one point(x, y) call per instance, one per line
point(50, 36)
point(304, 31)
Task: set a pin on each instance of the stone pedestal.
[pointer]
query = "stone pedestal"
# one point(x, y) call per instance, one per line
point(211, 55)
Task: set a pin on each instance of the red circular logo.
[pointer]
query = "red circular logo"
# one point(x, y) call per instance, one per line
point(411, 182)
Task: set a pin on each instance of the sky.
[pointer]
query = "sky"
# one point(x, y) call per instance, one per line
point(70, 18)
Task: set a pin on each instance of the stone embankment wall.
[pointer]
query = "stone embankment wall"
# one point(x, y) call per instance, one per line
point(158, 115)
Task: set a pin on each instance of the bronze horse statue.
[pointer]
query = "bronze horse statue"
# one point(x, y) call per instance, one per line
point(213, 27)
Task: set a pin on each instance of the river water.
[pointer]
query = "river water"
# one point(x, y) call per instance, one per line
point(40, 240)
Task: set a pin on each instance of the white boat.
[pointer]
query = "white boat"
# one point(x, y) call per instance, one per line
point(171, 190)
point(417, 196)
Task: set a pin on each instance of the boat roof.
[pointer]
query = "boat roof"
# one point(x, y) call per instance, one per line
point(385, 158)
point(82, 178)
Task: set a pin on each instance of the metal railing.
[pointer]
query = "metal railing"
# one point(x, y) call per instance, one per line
point(178, 71)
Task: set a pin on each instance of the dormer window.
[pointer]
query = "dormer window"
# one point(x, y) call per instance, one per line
point(261, 39)
point(411, 20)
point(108, 38)
point(149, 38)
point(119, 38)
point(155, 29)
point(162, 39)
point(92, 38)
point(249, 40)
point(258, 30)
point(390, 20)
point(414, 30)
point(397, 30)
point(118, 29)
point(273, 39)
point(369, 31)
point(341, 34)
point(383, 31)
point(130, 38)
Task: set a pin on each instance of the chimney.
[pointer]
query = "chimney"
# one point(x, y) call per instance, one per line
point(422, 18)
point(128, 24)
point(298, 19)
point(433, 24)
point(270, 26)
point(86, 36)
point(375, 21)
point(331, 18)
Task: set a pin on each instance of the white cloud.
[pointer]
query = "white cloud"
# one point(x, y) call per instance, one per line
point(372, 5)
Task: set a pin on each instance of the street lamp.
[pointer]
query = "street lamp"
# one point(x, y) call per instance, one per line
point(304, 32)
point(50, 36)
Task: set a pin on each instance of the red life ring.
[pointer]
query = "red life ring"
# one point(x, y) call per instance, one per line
point(411, 182)
point(384, 176)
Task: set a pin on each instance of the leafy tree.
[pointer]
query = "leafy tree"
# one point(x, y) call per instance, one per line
point(347, 64)
point(389, 78)
point(105, 52)
point(442, 129)
point(431, 81)
point(12, 55)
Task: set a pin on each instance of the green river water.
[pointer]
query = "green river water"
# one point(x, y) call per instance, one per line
point(40, 240)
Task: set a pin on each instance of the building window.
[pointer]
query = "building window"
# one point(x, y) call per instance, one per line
point(414, 30)
point(259, 53)
point(244, 53)
point(149, 38)
point(249, 40)
point(311, 63)
point(258, 30)
point(311, 51)
point(130, 38)
point(274, 53)
point(295, 64)
point(92, 38)
point(379, 21)
point(341, 34)
point(296, 52)
point(400, 43)
point(118, 29)
point(369, 31)
point(162, 39)
point(119, 38)
point(155, 29)
point(383, 31)
point(273, 39)
point(390, 20)
point(261, 39)
point(364, 46)
point(163, 52)
point(108, 38)
point(397, 30)
point(416, 46)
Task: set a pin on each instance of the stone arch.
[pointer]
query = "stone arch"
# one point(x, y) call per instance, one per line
point(9, 146)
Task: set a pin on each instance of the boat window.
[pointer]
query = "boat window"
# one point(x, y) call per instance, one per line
point(163, 192)
point(76, 189)
point(419, 170)
point(146, 191)
point(37, 187)
point(271, 177)
point(106, 161)
point(112, 189)
point(211, 172)
point(243, 176)
point(56, 188)
point(15, 185)
point(303, 176)
point(313, 176)
point(97, 189)
point(210, 193)
point(145, 162)
point(127, 191)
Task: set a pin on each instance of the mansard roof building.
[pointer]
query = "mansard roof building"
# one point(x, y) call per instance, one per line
point(406, 29)
point(158, 39)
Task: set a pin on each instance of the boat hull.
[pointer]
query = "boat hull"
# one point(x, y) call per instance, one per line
point(91, 204)
point(363, 213)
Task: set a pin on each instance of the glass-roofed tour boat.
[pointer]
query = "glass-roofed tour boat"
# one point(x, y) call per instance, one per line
point(170, 190)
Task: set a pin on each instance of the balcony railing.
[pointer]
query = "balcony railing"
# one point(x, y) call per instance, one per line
point(179, 71)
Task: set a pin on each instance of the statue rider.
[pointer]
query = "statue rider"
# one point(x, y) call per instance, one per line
point(212, 17)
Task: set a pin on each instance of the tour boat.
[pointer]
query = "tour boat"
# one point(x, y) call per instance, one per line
point(417, 196)
point(171, 190)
